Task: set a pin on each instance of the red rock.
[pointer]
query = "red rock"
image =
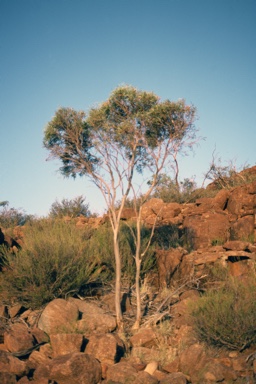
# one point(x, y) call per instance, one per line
point(7, 378)
point(175, 378)
point(143, 338)
point(122, 372)
point(75, 368)
point(202, 230)
point(145, 378)
point(12, 365)
point(193, 360)
point(105, 348)
point(93, 318)
point(58, 316)
point(18, 338)
point(167, 263)
point(64, 343)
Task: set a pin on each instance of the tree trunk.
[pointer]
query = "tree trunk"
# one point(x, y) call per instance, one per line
point(119, 315)
point(138, 268)
point(138, 298)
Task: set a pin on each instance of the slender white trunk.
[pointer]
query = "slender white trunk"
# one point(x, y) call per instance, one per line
point(138, 269)
point(119, 316)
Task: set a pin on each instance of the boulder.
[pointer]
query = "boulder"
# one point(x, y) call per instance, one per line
point(18, 338)
point(145, 337)
point(236, 245)
point(59, 316)
point(128, 214)
point(221, 199)
point(175, 378)
point(36, 359)
point(75, 368)
point(167, 262)
point(202, 230)
point(145, 378)
point(12, 365)
point(7, 378)
point(93, 318)
point(64, 343)
point(152, 211)
point(122, 373)
point(106, 348)
point(243, 228)
point(242, 200)
point(192, 361)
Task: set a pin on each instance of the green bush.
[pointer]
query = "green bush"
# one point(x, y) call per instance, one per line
point(101, 244)
point(54, 262)
point(72, 208)
point(167, 236)
point(226, 317)
point(169, 191)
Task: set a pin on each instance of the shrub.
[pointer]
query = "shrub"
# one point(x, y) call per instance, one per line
point(167, 236)
point(169, 191)
point(227, 317)
point(5, 256)
point(11, 217)
point(72, 208)
point(54, 262)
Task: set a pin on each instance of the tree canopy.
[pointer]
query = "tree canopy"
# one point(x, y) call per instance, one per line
point(132, 130)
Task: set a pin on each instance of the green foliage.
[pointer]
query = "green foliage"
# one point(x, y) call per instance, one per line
point(72, 208)
point(167, 236)
point(11, 217)
point(54, 262)
point(101, 244)
point(226, 317)
point(67, 138)
point(169, 191)
point(131, 123)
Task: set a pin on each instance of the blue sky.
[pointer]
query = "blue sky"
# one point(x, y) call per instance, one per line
point(75, 52)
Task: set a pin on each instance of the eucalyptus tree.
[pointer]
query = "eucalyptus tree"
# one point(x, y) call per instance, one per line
point(132, 133)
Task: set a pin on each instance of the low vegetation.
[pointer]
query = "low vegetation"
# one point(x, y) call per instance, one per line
point(226, 317)
point(58, 260)
point(54, 262)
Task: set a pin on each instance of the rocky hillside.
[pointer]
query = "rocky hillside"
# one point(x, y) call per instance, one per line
point(75, 341)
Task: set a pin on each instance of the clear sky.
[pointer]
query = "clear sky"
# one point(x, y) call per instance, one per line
point(75, 52)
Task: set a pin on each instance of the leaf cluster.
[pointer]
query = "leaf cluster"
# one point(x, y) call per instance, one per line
point(131, 124)
point(67, 138)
